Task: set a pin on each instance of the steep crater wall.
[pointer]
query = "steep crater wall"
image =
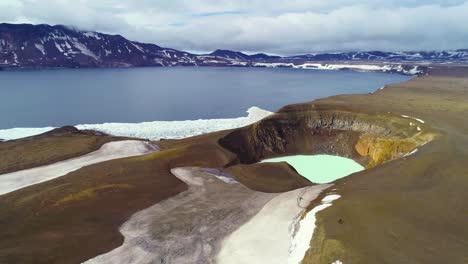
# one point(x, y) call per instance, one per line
point(368, 138)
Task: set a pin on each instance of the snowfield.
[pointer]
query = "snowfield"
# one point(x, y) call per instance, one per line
point(112, 150)
point(415, 70)
point(272, 235)
point(304, 230)
point(153, 130)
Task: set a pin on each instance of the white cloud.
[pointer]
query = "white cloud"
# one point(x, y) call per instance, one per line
point(282, 26)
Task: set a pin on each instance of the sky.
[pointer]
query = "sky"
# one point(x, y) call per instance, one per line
point(273, 26)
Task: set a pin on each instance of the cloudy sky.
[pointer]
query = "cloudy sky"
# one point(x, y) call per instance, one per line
point(273, 26)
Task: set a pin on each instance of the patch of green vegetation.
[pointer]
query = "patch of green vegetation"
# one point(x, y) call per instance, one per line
point(43, 150)
point(169, 153)
point(381, 149)
point(323, 250)
point(90, 193)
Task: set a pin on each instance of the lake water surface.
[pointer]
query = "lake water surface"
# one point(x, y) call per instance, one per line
point(38, 98)
point(320, 168)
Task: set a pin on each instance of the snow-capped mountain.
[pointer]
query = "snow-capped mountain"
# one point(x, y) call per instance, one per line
point(457, 56)
point(40, 46)
point(58, 46)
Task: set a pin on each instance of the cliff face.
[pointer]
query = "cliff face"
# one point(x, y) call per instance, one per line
point(369, 138)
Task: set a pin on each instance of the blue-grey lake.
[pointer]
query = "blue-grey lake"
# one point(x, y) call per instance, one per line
point(38, 98)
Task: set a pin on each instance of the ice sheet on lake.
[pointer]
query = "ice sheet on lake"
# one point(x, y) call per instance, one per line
point(15, 133)
point(154, 130)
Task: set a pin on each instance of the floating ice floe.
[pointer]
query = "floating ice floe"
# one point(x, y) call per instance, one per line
point(153, 130)
point(304, 231)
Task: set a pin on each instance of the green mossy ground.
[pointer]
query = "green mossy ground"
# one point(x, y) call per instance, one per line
point(48, 148)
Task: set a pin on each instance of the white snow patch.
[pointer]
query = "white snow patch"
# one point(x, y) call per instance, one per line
point(266, 237)
point(154, 130)
point(223, 177)
point(40, 47)
point(92, 35)
point(112, 150)
point(238, 63)
point(304, 231)
point(58, 47)
point(214, 61)
point(15, 57)
point(337, 262)
point(67, 45)
point(417, 119)
point(273, 65)
point(414, 71)
point(138, 47)
point(356, 67)
point(330, 198)
point(84, 50)
point(410, 153)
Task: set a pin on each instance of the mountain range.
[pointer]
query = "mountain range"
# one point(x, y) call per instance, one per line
point(45, 46)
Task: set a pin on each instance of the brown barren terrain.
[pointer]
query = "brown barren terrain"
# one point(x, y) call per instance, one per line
point(401, 210)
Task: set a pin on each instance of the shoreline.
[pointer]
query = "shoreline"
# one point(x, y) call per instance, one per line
point(125, 128)
point(356, 66)
point(153, 130)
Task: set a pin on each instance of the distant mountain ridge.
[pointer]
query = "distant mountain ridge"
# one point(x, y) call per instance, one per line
point(460, 55)
point(42, 46)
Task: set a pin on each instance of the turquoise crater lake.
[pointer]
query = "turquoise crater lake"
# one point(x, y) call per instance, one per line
point(320, 168)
